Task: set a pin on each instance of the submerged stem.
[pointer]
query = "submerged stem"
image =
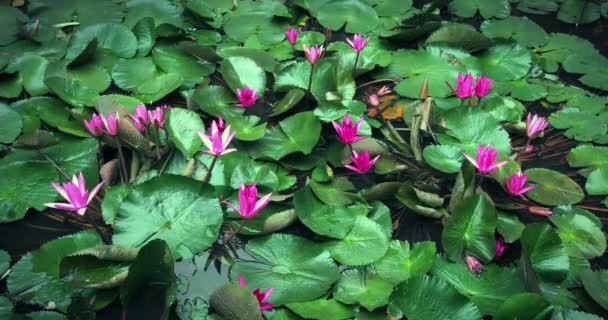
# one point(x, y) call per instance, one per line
point(232, 235)
point(123, 162)
point(355, 65)
point(312, 69)
point(208, 174)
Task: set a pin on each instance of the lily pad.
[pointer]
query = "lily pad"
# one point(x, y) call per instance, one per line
point(169, 208)
point(130, 74)
point(401, 263)
point(183, 125)
point(157, 88)
point(582, 236)
point(298, 269)
point(114, 37)
point(12, 124)
point(553, 188)
point(444, 158)
point(368, 290)
point(241, 71)
point(323, 309)
point(521, 29)
point(546, 252)
point(172, 60)
point(487, 9)
point(505, 62)
point(354, 15)
point(85, 12)
point(364, 244)
point(596, 284)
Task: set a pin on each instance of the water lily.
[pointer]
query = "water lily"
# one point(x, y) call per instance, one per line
point(515, 184)
point(384, 91)
point(501, 246)
point(110, 122)
point(362, 162)
point(357, 43)
point(347, 131)
point(292, 35)
point(157, 116)
point(473, 264)
point(246, 96)
point(486, 157)
point(464, 86)
point(261, 296)
point(221, 126)
point(540, 211)
point(140, 118)
point(313, 54)
point(248, 201)
point(483, 86)
point(535, 125)
point(217, 140)
point(76, 194)
point(373, 100)
point(95, 125)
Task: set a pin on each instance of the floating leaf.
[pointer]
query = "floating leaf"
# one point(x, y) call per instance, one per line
point(578, 12)
point(114, 37)
point(323, 309)
point(546, 253)
point(596, 284)
point(487, 9)
point(257, 18)
point(130, 74)
point(368, 290)
point(146, 35)
point(582, 236)
point(11, 124)
point(355, 15)
point(553, 188)
point(183, 126)
point(524, 306)
point(505, 62)
point(521, 29)
point(173, 60)
point(85, 12)
point(580, 125)
point(241, 71)
point(364, 244)
point(400, 263)
point(157, 88)
point(162, 11)
point(460, 36)
point(299, 270)
point(509, 227)
point(443, 158)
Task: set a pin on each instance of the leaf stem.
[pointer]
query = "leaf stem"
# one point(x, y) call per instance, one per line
point(355, 65)
point(312, 69)
point(231, 236)
point(123, 162)
point(211, 166)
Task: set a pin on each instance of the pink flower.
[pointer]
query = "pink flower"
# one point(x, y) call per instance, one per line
point(110, 122)
point(486, 156)
point(95, 125)
point(361, 162)
point(373, 100)
point(483, 86)
point(515, 184)
point(474, 265)
point(221, 126)
point(535, 125)
point(464, 85)
point(313, 54)
point(248, 201)
point(529, 148)
point(157, 116)
point(347, 131)
point(501, 246)
point(261, 296)
point(292, 35)
point(140, 118)
point(384, 91)
point(75, 193)
point(357, 43)
point(540, 211)
point(217, 141)
point(246, 96)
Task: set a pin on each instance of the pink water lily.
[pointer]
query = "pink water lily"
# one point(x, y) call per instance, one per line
point(357, 43)
point(473, 264)
point(516, 184)
point(501, 246)
point(221, 126)
point(95, 125)
point(260, 296)
point(292, 35)
point(540, 211)
point(313, 54)
point(246, 96)
point(110, 122)
point(362, 162)
point(140, 118)
point(535, 125)
point(76, 193)
point(384, 91)
point(217, 141)
point(372, 100)
point(157, 116)
point(486, 157)
point(464, 86)
point(347, 131)
point(483, 86)
point(248, 201)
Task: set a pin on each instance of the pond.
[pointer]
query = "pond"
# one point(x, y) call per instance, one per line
point(306, 159)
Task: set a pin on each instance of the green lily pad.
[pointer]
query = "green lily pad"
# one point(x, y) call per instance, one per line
point(596, 284)
point(509, 227)
point(323, 309)
point(553, 188)
point(259, 18)
point(546, 252)
point(12, 21)
point(183, 126)
point(241, 71)
point(578, 12)
point(35, 277)
point(113, 37)
point(85, 12)
point(32, 69)
point(287, 137)
point(354, 15)
point(471, 227)
point(521, 29)
point(487, 9)
point(460, 36)
point(290, 100)
point(580, 125)
point(298, 269)
point(400, 263)
point(217, 101)
point(582, 236)
point(145, 33)
point(525, 306)
point(368, 290)
point(505, 62)
point(12, 124)
point(172, 60)
point(162, 11)
point(261, 57)
point(6, 307)
point(365, 243)
point(443, 158)
point(157, 88)
point(5, 261)
point(72, 91)
point(130, 74)
point(504, 108)
point(424, 297)
point(168, 208)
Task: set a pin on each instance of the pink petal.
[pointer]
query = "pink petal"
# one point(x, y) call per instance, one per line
point(261, 203)
point(471, 160)
point(94, 191)
point(242, 281)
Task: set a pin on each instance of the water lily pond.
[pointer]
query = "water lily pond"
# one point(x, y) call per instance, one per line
point(305, 159)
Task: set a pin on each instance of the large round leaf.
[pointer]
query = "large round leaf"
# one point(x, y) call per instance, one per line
point(400, 263)
point(323, 219)
point(424, 297)
point(580, 232)
point(257, 18)
point(547, 255)
point(11, 124)
point(524, 306)
point(173, 60)
point(71, 91)
point(322, 309)
point(596, 284)
point(597, 182)
point(114, 37)
point(525, 31)
point(298, 269)
point(35, 278)
point(505, 62)
point(85, 12)
point(25, 185)
point(182, 211)
point(364, 244)
point(157, 88)
point(368, 290)
point(130, 74)
point(242, 71)
point(487, 9)
point(444, 158)
point(471, 227)
point(357, 15)
point(587, 155)
point(183, 126)
point(553, 188)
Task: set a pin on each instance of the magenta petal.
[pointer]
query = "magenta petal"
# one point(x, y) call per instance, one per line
point(242, 281)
